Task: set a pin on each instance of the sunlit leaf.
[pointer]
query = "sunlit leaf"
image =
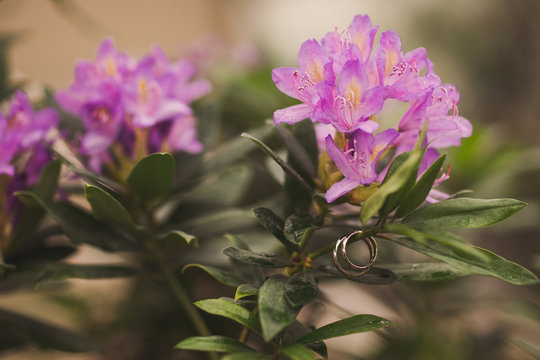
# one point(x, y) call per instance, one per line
point(245, 290)
point(230, 310)
point(352, 325)
point(297, 352)
point(212, 343)
point(462, 213)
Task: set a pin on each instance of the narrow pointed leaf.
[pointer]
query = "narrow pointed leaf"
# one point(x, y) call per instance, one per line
point(170, 239)
point(245, 290)
point(301, 289)
point(296, 330)
point(247, 356)
point(494, 265)
point(462, 213)
point(352, 325)
point(286, 167)
point(275, 312)
point(75, 271)
point(224, 277)
point(79, 226)
point(428, 271)
point(421, 189)
point(297, 151)
point(296, 225)
point(106, 208)
point(230, 310)
point(45, 335)
point(248, 273)
point(298, 352)
point(399, 181)
point(152, 176)
point(48, 181)
point(375, 276)
point(258, 259)
point(212, 343)
point(274, 225)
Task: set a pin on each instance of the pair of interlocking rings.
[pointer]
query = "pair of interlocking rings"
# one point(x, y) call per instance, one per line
point(341, 247)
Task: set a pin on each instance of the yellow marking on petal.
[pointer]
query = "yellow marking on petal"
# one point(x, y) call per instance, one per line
point(143, 91)
point(392, 58)
point(110, 67)
point(360, 41)
point(353, 92)
point(315, 71)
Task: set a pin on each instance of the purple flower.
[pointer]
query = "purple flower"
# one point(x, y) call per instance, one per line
point(349, 103)
point(358, 160)
point(24, 142)
point(399, 73)
point(439, 109)
point(133, 105)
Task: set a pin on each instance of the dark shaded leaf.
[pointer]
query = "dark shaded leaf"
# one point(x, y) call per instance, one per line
point(177, 238)
point(296, 330)
point(212, 343)
point(375, 276)
point(224, 277)
point(44, 335)
point(462, 213)
point(230, 310)
point(247, 356)
point(249, 273)
point(421, 189)
point(286, 167)
point(275, 312)
point(301, 289)
point(494, 265)
point(352, 325)
point(258, 259)
point(301, 157)
point(274, 225)
point(152, 176)
point(107, 209)
point(296, 225)
point(79, 226)
point(75, 271)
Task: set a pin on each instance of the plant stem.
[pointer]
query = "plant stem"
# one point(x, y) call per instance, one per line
point(181, 295)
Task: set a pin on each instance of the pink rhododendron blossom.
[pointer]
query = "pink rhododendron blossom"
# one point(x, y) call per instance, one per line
point(343, 83)
point(24, 141)
point(121, 99)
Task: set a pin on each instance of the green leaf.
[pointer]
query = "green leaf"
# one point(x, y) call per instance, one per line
point(43, 334)
point(248, 273)
point(230, 310)
point(236, 149)
point(275, 312)
point(247, 356)
point(297, 352)
point(73, 271)
point(493, 265)
point(286, 167)
point(107, 209)
point(399, 181)
point(296, 225)
point(31, 216)
point(428, 271)
point(177, 237)
point(152, 176)
point(298, 153)
point(262, 260)
point(212, 343)
point(48, 181)
point(245, 290)
point(79, 226)
point(449, 240)
point(274, 225)
point(301, 289)
point(462, 213)
point(352, 325)
point(421, 189)
point(296, 330)
point(375, 276)
point(224, 277)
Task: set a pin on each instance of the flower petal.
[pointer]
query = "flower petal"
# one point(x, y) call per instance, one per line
point(341, 188)
point(293, 114)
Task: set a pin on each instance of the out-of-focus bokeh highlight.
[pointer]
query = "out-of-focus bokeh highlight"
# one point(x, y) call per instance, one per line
point(489, 48)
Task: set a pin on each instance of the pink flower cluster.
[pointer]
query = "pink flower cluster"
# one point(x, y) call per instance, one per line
point(23, 148)
point(118, 97)
point(343, 85)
